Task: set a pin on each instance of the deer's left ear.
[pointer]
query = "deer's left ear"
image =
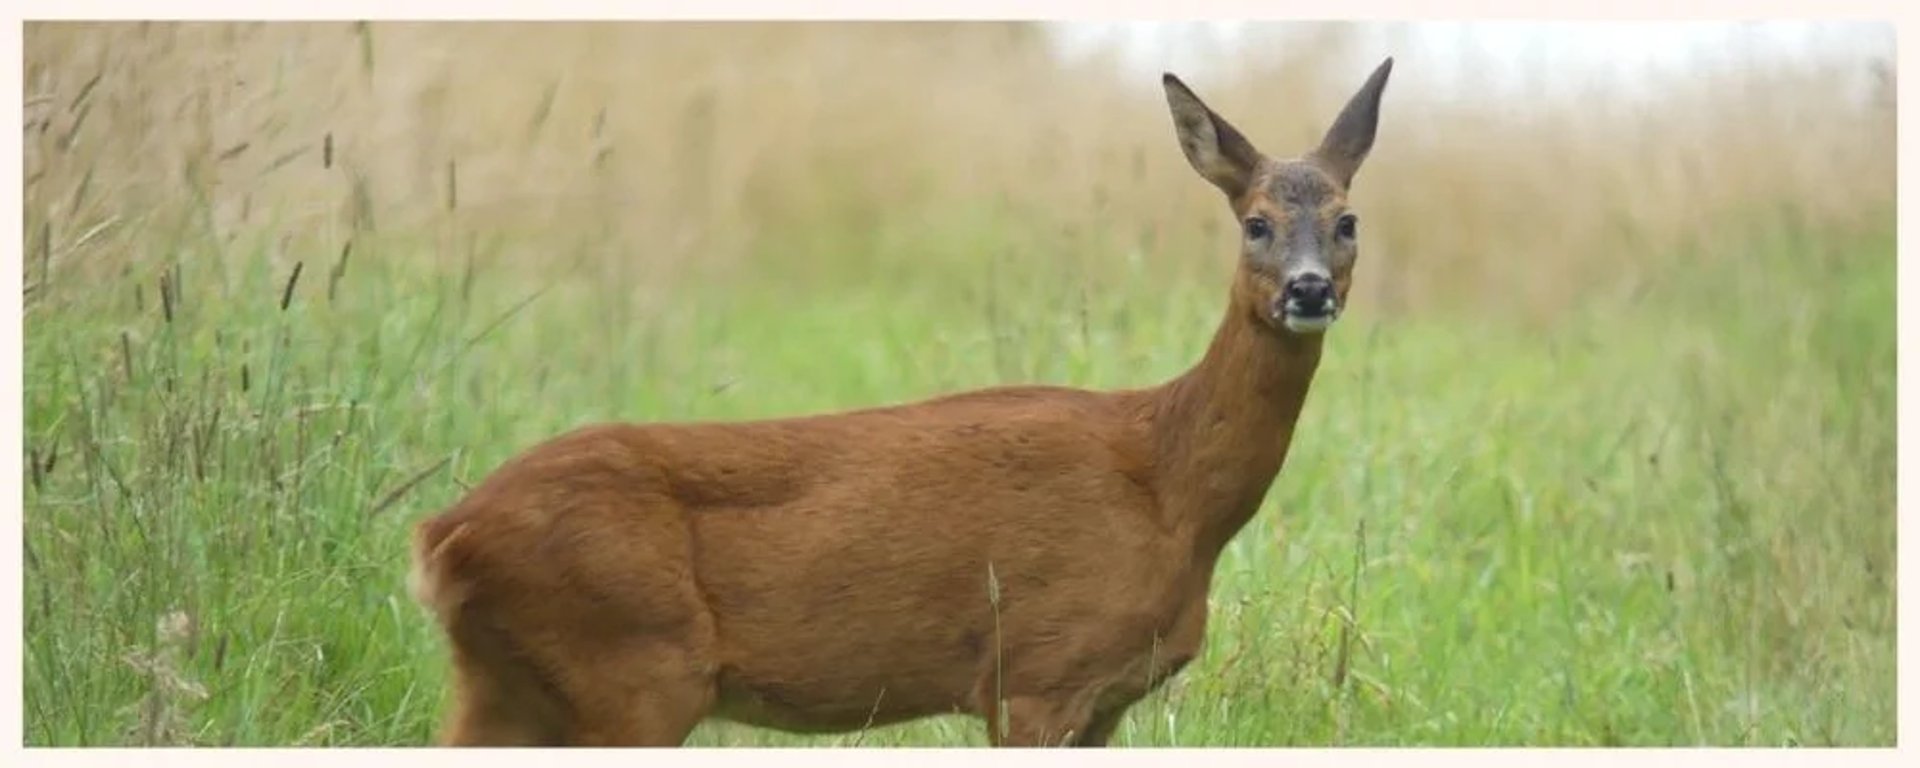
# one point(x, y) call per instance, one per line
point(1213, 147)
point(1350, 139)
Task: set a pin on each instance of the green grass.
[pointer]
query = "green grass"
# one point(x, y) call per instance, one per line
point(1664, 519)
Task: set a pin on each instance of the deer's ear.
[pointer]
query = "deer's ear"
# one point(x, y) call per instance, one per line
point(1215, 149)
point(1351, 137)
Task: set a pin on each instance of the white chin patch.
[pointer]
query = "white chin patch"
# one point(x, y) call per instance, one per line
point(1299, 324)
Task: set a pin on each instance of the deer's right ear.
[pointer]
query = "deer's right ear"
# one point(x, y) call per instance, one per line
point(1214, 148)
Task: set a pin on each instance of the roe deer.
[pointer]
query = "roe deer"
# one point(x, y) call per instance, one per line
point(1035, 556)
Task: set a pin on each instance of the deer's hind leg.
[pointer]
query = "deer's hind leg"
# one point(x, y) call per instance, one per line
point(499, 700)
point(588, 631)
point(643, 694)
point(652, 695)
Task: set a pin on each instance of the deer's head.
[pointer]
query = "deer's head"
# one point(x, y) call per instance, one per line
point(1298, 237)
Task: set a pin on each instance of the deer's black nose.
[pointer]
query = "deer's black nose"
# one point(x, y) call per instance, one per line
point(1310, 294)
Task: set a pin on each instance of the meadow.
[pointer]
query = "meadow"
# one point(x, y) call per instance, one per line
point(1603, 453)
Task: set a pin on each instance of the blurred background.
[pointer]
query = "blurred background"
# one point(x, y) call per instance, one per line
point(1602, 453)
point(1520, 161)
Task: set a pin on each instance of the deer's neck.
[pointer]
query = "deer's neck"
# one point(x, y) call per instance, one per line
point(1222, 428)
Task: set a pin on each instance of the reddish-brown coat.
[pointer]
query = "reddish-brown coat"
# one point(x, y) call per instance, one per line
point(1039, 550)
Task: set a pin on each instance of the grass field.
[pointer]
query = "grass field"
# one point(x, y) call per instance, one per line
point(1592, 462)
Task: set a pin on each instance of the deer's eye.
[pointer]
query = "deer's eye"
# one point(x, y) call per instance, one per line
point(1258, 229)
point(1347, 227)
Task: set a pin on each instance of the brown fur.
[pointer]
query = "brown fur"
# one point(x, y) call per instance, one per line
point(1036, 556)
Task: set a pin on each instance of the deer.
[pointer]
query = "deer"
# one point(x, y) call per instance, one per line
point(1036, 556)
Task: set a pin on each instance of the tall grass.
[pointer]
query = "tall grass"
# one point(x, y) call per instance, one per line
point(1605, 455)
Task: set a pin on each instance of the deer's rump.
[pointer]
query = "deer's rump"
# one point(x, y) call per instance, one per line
point(827, 572)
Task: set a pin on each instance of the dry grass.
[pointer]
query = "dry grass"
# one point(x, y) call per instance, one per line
point(710, 142)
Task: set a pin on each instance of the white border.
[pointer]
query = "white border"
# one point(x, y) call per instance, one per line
point(1105, 10)
point(11, 659)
